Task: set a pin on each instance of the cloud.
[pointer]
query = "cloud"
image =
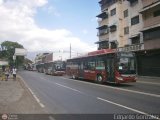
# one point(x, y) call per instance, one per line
point(94, 19)
point(18, 24)
point(52, 10)
point(85, 31)
point(1, 1)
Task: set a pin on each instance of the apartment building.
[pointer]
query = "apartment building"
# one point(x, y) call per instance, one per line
point(41, 58)
point(109, 30)
point(149, 59)
point(132, 25)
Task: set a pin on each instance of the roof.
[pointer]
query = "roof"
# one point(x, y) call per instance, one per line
point(95, 53)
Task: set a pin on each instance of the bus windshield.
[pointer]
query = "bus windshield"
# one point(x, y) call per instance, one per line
point(59, 66)
point(126, 65)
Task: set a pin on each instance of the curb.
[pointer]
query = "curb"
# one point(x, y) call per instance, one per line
point(25, 86)
point(150, 77)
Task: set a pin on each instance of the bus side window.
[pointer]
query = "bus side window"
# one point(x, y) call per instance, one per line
point(85, 65)
point(91, 65)
point(100, 65)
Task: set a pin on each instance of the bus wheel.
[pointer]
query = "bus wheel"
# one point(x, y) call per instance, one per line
point(99, 79)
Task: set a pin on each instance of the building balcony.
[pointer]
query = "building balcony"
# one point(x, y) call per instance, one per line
point(153, 21)
point(104, 37)
point(102, 27)
point(103, 32)
point(113, 28)
point(151, 13)
point(106, 3)
point(103, 15)
point(151, 37)
point(132, 2)
point(147, 4)
point(103, 44)
point(103, 22)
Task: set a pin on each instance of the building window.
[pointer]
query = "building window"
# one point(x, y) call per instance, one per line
point(113, 28)
point(133, 2)
point(113, 45)
point(135, 40)
point(126, 30)
point(103, 32)
point(125, 13)
point(156, 13)
point(103, 45)
point(135, 20)
point(113, 11)
point(151, 34)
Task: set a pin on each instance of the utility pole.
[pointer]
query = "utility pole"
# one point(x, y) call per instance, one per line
point(70, 51)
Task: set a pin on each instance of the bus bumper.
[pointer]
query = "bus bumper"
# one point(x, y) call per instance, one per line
point(126, 79)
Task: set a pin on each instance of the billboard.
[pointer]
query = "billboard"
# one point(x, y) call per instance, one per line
point(20, 52)
point(3, 62)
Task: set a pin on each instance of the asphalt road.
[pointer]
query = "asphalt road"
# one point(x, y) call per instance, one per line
point(60, 95)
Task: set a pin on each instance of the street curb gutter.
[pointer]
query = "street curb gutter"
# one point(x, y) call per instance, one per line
point(24, 84)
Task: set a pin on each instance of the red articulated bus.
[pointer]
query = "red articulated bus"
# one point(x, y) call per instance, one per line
point(106, 65)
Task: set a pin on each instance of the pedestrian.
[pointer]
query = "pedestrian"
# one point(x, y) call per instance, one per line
point(14, 71)
point(6, 73)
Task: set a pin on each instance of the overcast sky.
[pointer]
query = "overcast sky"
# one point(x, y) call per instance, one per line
point(50, 25)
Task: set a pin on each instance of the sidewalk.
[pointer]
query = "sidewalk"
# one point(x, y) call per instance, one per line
point(16, 98)
point(149, 79)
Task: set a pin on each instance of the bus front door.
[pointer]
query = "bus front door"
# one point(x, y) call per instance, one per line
point(110, 70)
point(80, 70)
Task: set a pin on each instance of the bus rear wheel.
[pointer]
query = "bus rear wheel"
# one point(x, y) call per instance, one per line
point(99, 79)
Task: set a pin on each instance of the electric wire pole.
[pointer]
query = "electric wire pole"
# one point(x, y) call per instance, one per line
point(70, 51)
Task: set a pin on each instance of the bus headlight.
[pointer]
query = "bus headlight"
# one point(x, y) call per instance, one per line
point(119, 78)
point(136, 78)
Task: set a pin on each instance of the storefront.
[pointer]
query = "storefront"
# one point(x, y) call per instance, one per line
point(148, 62)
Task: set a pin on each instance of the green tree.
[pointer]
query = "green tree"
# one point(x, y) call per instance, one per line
point(8, 50)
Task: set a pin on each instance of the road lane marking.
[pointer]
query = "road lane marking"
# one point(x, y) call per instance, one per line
point(36, 98)
point(68, 87)
point(42, 78)
point(30, 90)
point(122, 89)
point(51, 118)
point(132, 109)
point(148, 82)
